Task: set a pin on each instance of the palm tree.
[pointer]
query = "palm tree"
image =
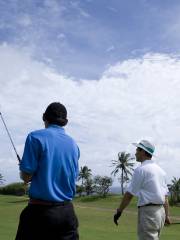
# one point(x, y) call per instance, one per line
point(89, 186)
point(124, 165)
point(1, 179)
point(175, 190)
point(84, 174)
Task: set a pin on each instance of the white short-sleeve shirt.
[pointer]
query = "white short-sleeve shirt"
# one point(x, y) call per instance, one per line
point(149, 184)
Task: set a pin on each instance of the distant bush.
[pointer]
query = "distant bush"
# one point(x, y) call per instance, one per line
point(18, 189)
point(174, 189)
point(102, 185)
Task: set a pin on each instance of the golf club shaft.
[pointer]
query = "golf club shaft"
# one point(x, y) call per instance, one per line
point(10, 137)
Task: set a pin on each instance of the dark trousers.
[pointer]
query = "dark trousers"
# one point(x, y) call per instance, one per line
point(39, 222)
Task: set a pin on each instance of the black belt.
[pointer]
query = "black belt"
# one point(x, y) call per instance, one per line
point(150, 204)
point(47, 203)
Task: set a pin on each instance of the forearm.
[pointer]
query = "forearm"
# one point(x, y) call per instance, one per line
point(166, 206)
point(125, 201)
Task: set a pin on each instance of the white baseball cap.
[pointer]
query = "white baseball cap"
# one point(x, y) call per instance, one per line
point(146, 146)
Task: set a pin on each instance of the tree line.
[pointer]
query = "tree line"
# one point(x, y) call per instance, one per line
point(174, 190)
point(89, 185)
point(123, 167)
point(100, 185)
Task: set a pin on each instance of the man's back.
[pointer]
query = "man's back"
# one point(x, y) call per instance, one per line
point(52, 156)
point(151, 187)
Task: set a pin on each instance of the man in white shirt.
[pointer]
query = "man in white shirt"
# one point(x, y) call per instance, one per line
point(149, 185)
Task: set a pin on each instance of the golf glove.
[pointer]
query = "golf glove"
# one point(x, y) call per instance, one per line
point(117, 216)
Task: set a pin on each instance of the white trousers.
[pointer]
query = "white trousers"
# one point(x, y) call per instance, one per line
point(150, 222)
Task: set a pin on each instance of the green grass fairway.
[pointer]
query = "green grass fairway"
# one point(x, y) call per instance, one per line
point(95, 218)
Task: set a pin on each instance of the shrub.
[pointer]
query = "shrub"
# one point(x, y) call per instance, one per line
point(18, 189)
point(102, 185)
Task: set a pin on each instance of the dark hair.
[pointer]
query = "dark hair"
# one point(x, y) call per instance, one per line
point(146, 153)
point(56, 113)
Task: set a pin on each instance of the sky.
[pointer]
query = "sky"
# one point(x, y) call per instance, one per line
point(114, 64)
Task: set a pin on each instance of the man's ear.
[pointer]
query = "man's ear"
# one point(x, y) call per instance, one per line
point(43, 117)
point(65, 122)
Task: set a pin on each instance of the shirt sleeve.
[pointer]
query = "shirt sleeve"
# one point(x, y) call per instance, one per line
point(29, 162)
point(77, 166)
point(136, 182)
point(166, 190)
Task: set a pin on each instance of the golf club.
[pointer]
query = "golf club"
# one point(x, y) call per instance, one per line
point(10, 138)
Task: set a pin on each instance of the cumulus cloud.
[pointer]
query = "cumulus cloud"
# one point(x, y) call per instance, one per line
point(133, 99)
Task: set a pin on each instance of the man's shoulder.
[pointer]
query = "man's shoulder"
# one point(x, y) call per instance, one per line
point(37, 133)
point(71, 139)
point(153, 167)
point(47, 133)
point(159, 169)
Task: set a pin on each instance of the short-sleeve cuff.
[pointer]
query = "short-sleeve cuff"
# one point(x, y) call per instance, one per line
point(26, 170)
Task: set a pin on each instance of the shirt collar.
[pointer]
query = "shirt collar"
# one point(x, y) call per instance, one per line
point(147, 162)
point(56, 126)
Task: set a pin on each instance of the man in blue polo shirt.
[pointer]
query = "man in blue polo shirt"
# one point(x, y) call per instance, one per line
point(50, 164)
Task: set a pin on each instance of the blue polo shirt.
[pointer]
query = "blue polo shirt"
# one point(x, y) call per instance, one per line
point(51, 156)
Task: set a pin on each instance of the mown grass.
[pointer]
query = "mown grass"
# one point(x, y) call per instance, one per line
point(95, 218)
